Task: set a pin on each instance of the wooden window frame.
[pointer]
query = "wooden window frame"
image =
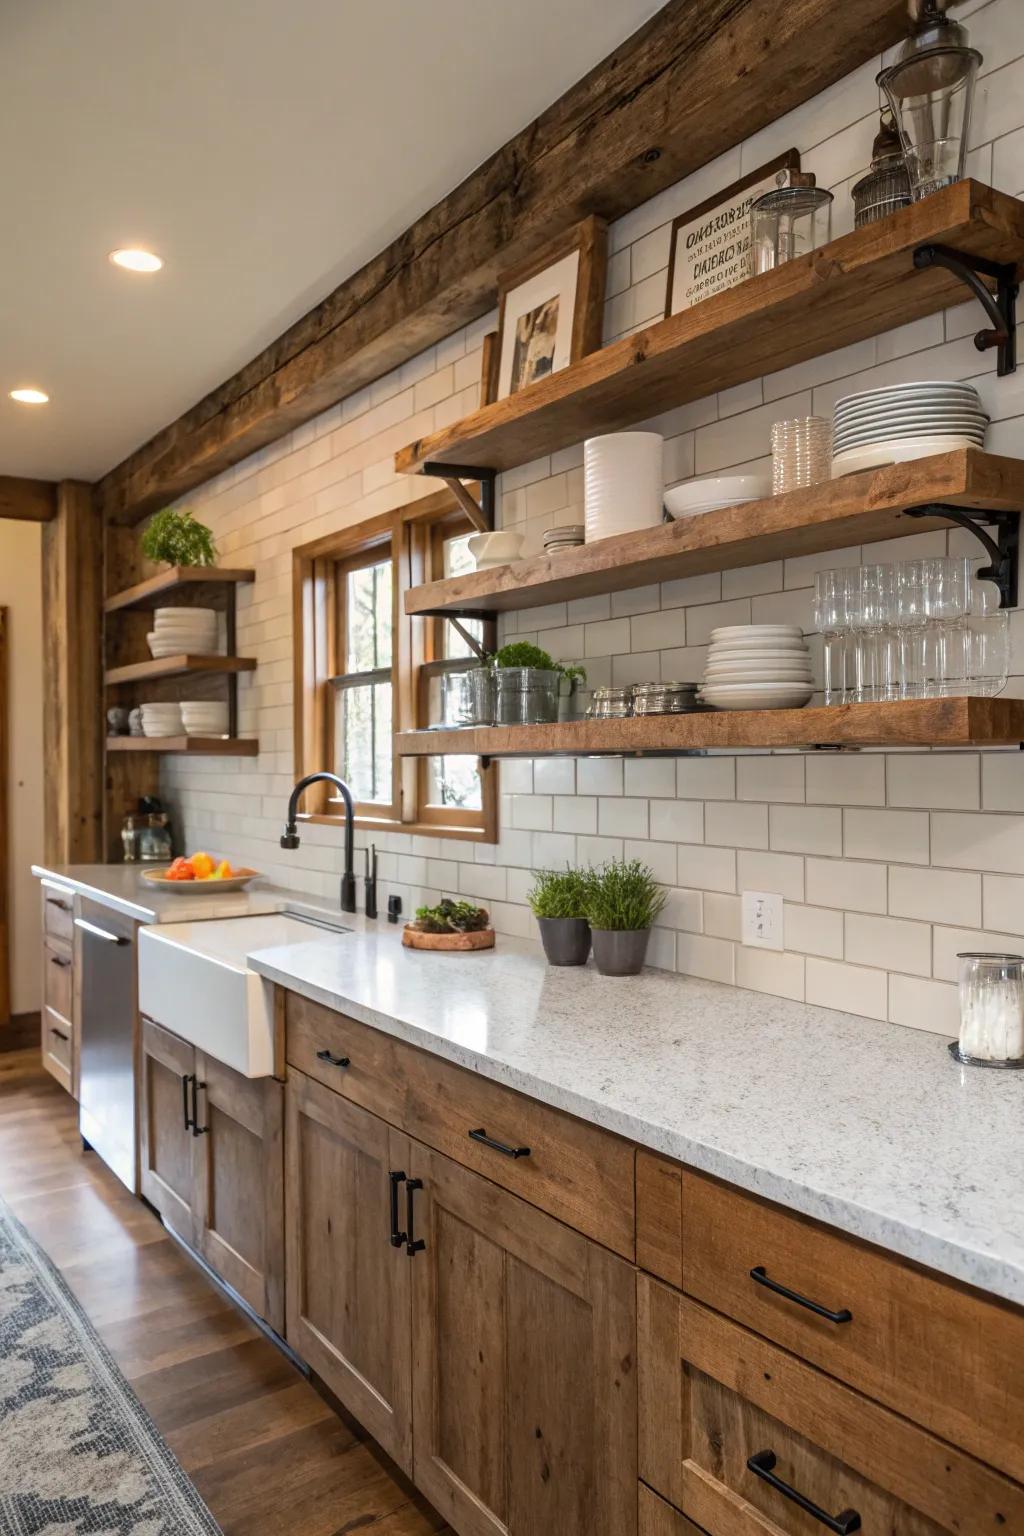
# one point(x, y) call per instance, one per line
point(414, 535)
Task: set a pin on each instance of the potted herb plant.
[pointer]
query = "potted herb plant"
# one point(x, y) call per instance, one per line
point(451, 925)
point(558, 900)
point(176, 538)
point(527, 684)
point(622, 902)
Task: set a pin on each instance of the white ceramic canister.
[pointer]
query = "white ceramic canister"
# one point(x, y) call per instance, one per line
point(624, 482)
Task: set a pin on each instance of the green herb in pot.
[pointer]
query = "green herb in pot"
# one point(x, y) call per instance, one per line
point(452, 917)
point(623, 903)
point(178, 539)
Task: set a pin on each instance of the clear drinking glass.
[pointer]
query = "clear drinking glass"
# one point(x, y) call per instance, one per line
point(991, 1010)
point(947, 594)
point(832, 620)
point(988, 642)
point(801, 453)
point(874, 639)
point(911, 623)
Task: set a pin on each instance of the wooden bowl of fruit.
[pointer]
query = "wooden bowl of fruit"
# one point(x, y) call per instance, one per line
point(199, 872)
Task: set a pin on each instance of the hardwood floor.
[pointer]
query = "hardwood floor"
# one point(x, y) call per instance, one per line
point(268, 1453)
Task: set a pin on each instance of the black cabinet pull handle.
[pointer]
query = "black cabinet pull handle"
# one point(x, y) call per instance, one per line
point(335, 1061)
point(843, 1524)
point(55, 901)
point(197, 1129)
point(759, 1274)
point(413, 1244)
point(58, 1032)
point(397, 1237)
point(497, 1146)
point(56, 960)
point(186, 1078)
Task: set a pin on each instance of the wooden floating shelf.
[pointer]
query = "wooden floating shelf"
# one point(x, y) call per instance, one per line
point(858, 509)
point(158, 589)
point(954, 722)
point(178, 666)
point(857, 286)
point(191, 746)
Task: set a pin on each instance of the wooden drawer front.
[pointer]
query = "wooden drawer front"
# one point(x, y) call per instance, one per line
point(318, 1041)
point(659, 1519)
point(714, 1396)
point(56, 1046)
point(58, 972)
point(58, 912)
point(943, 1356)
point(581, 1175)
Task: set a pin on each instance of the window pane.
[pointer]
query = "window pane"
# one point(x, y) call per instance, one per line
point(457, 562)
point(363, 747)
point(368, 618)
point(454, 781)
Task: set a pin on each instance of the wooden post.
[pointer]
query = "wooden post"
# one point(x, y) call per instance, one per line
point(73, 678)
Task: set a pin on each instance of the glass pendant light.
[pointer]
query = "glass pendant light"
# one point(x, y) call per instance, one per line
point(930, 88)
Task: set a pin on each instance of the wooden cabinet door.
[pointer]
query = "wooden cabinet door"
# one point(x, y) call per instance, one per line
point(239, 1184)
point(348, 1290)
point(524, 1380)
point(168, 1182)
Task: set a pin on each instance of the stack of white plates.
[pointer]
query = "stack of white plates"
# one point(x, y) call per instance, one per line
point(569, 537)
point(905, 421)
point(205, 718)
point(623, 483)
point(183, 631)
point(707, 495)
point(161, 720)
point(757, 666)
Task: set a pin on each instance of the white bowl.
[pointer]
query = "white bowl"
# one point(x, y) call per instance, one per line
point(741, 634)
point(177, 615)
point(895, 451)
point(756, 671)
point(491, 549)
point(708, 494)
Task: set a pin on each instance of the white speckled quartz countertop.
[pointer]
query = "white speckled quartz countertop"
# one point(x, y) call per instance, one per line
point(868, 1126)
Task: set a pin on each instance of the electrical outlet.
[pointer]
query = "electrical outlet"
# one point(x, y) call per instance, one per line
point(762, 920)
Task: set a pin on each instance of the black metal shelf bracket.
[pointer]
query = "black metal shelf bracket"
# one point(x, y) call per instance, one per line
point(1003, 550)
point(1001, 306)
point(486, 477)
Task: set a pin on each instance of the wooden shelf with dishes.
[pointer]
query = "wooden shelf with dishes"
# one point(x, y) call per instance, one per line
point(190, 675)
point(952, 722)
point(880, 276)
point(857, 509)
point(857, 286)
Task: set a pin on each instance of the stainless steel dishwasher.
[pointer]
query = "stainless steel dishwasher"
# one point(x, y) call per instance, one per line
point(107, 1038)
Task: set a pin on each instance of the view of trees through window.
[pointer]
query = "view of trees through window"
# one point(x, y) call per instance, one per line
point(364, 715)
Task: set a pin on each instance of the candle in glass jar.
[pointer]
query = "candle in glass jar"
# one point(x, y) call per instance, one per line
point(992, 1007)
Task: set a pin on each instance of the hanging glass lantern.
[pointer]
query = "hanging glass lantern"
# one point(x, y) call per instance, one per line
point(886, 187)
point(930, 88)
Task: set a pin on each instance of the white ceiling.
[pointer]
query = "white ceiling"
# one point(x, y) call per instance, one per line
point(265, 148)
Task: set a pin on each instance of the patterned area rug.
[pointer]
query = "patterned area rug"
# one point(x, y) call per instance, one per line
point(78, 1452)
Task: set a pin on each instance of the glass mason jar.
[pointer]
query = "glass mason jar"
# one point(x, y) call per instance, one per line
point(526, 695)
point(991, 1010)
point(468, 697)
point(786, 223)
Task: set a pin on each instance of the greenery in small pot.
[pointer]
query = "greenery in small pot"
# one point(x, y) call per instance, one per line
point(558, 900)
point(451, 917)
point(532, 699)
point(623, 902)
point(521, 653)
point(178, 539)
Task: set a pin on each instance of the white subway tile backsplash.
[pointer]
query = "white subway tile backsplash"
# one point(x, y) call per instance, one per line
point(867, 849)
point(852, 988)
point(770, 778)
point(806, 829)
point(782, 873)
point(736, 825)
point(891, 942)
point(928, 1005)
point(936, 780)
point(934, 895)
point(897, 835)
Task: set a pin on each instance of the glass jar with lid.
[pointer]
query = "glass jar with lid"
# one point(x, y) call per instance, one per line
point(991, 1010)
point(787, 222)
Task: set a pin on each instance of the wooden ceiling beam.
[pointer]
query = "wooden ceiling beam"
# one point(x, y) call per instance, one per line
point(697, 79)
point(27, 501)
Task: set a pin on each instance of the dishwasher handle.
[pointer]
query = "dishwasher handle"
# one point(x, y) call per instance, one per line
point(100, 933)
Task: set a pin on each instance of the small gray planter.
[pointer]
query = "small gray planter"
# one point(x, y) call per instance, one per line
point(566, 940)
point(620, 952)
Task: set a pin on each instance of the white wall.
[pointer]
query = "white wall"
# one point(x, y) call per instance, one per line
point(21, 594)
point(888, 862)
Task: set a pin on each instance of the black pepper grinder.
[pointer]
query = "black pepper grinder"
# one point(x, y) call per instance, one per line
point(370, 881)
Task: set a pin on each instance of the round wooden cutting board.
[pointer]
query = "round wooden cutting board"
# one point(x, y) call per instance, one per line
point(412, 938)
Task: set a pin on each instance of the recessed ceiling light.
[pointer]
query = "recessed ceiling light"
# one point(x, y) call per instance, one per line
point(30, 396)
point(135, 260)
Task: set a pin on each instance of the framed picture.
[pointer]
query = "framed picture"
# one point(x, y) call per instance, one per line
point(550, 311)
point(710, 242)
